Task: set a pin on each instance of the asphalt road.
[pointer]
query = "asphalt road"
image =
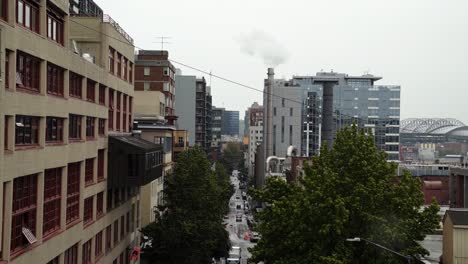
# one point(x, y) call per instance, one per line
point(237, 230)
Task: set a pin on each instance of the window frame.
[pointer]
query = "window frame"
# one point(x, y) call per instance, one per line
point(4, 10)
point(88, 209)
point(117, 118)
point(98, 245)
point(33, 15)
point(101, 164)
point(90, 127)
point(130, 74)
point(7, 62)
point(54, 128)
point(119, 64)
point(75, 85)
point(52, 201)
point(90, 90)
point(74, 127)
point(116, 232)
point(111, 60)
point(71, 255)
point(102, 94)
point(55, 79)
point(86, 252)
point(33, 125)
point(99, 204)
point(102, 127)
point(55, 28)
point(24, 209)
point(108, 242)
point(28, 69)
point(89, 171)
point(73, 192)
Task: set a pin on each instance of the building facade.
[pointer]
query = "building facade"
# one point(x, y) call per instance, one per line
point(254, 134)
point(185, 105)
point(154, 72)
point(230, 123)
point(217, 126)
point(66, 90)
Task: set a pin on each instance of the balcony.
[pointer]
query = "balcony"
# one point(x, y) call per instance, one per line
point(133, 162)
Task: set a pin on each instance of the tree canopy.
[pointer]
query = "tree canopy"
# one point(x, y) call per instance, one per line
point(189, 228)
point(348, 191)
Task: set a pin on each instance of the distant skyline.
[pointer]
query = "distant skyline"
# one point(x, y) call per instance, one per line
point(421, 45)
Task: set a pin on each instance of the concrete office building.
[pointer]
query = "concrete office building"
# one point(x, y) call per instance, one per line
point(65, 115)
point(255, 134)
point(217, 126)
point(230, 123)
point(351, 99)
point(193, 106)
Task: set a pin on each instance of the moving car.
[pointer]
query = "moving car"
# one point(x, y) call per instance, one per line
point(234, 256)
point(255, 237)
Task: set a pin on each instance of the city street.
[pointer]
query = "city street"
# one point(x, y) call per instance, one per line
point(237, 230)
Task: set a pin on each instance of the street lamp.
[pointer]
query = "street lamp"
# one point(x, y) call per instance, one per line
point(359, 239)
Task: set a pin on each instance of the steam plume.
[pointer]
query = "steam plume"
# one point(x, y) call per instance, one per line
point(260, 44)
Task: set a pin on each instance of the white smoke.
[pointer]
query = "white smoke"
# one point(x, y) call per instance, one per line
point(260, 44)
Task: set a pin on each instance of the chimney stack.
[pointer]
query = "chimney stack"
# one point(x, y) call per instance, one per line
point(268, 120)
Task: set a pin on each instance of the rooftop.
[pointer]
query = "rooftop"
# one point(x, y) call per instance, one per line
point(458, 216)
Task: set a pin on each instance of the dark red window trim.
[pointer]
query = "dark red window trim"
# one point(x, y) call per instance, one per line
point(89, 171)
point(100, 204)
point(55, 27)
point(54, 129)
point(27, 14)
point(4, 10)
point(71, 255)
point(110, 120)
point(7, 62)
point(102, 94)
point(102, 127)
point(27, 130)
point(124, 67)
point(111, 60)
point(5, 135)
point(52, 200)
point(122, 226)
point(98, 245)
point(91, 90)
point(90, 124)
point(116, 232)
point(130, 74)
point(23, 210)
point(86, 254)
point(54, 79)
point(74, 126)
point(76, 83)
point(101, 164)
point(119, 65)
point(88, 210)
point(119, 94)
point(73, 192)
point(28, 70)
point(108, 244)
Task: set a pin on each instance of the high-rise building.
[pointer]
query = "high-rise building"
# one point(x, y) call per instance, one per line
point(193, 106)
point(298, 111)
point(255, 133)
point(230, 123)
point(154, 72)
point(217, 126)
point(70, 169)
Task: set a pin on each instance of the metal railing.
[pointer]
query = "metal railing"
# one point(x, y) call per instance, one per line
point(108, 19)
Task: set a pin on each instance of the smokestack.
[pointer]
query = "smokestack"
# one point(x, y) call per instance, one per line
point(268, 119)
point(327, 116)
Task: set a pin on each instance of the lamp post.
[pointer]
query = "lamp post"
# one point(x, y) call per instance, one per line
point(359, 239)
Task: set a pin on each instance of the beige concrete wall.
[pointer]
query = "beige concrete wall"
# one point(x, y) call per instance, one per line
point(460, 244)
point(447, 241)
point(147, 103)
point(16, 163)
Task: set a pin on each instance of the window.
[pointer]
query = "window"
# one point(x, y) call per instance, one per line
point(122, 226)
point(76, 81)
point(54, 24)
point(56, 260)
point(54, 129)
point(111, 60)
point(88, 210)
point(124, 68)
point(116, 231)
point(121, 258)
point(130, 124)
point(146, 86)
point(101, 164)
point(100, 204)
point(98, 244)
point(109, 199)
point(7, 60)
point(291, 111)
point(90, 126)
point(91, 90)
point(282, 102)
point(102, 94)
point(86, 252)
point(111, 110)
point(71, 255)
point(54, 79)
point(274, 111)
point(128, 222)
point(130, 73)
point(108, 238)
point(147, 71)
point(27, 14)
point(124, 123)
point(23, 211)
point(3, 9)
point(74, 126)
point(166, 71)
point(27, 71)
point(118, 111)
point(290, 135)
point(102, 127)
point(73, 192)
point(89, 171)
point(5, 135)
point(52, 200)
point(27, 130)
point(119, 64)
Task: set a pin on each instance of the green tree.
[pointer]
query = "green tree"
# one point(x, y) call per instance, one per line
point(189, 228)
point(232, 156)
point(348, 191)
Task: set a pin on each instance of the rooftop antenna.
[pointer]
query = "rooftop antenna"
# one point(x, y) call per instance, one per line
point(163, 38)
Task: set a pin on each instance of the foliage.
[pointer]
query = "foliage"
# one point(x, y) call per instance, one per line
point(232, 156)
point(348, 191)
point(189, 228)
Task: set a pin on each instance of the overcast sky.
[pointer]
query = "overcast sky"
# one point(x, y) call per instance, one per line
point(421, 45)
